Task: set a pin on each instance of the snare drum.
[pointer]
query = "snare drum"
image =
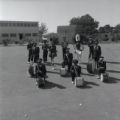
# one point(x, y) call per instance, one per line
point(79, 81)
point(63, 71)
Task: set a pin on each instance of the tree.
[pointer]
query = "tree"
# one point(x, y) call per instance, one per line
point(106, 29)
point(53, 37)
point(117, 28)
point(85, 25)
point(43, 28)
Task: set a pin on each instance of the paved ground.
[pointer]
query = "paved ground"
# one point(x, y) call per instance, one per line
point(20, 99)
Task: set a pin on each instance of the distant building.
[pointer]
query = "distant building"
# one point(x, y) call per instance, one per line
point(19, 30)
point(51, 36)
point(66, 33)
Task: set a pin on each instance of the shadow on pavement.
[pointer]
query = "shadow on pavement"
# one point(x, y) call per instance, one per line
point(50, 85)
point(88, 74)
point(49, 64)
point(113, 71)
point(112, 80)
point(91, 83)
point(58, 72)
point(87, 85)
point(54, 72)
point(113, 62)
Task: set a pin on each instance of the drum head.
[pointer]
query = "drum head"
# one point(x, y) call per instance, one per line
point(77, 37)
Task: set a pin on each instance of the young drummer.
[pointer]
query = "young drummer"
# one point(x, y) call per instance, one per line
point(91, 48)
point(64, 47)
point(30, 52)
point(45, 51)
point(101, 67)
point(97, 53)
point(36, 52)
point(79, 48)
point(40, 69)
point(53, 52)
point(68, 58)
point(75, 70)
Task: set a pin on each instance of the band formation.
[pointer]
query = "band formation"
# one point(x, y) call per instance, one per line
point(69, 66)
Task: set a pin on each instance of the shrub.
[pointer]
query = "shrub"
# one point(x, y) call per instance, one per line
point(5, 42)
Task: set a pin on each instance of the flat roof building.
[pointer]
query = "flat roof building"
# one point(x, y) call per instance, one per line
point(19, 30)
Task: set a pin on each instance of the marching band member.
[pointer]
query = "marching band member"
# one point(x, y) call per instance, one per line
point(97, 53)
point(53, 52)
point(78, 48)
point(75, 68)
point(64, 47)
point(68, 58)
point(45, 51)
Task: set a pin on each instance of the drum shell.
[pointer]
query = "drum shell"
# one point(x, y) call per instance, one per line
point(105, 77)
point(91, 66)
point(79, 81)
point(31, 70)
point(63, 72)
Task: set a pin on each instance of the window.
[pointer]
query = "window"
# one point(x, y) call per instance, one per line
point(12, 35)
point(18, 24)
point(5, 35)
point(34, 34)
point(27, 34)
point(10, 24)
point(25, 24)
point(3, 24)
point(35, 24)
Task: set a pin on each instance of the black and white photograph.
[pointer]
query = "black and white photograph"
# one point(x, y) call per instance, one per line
point(59, 60)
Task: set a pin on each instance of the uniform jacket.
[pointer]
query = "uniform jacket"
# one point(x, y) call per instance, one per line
point(52, 48)
point(40, 69)
point(36, 51)
point(68, 58)
point(75, 70)
point(29, 46)
point(45, 47)
point(97, 52)
point(102, 64)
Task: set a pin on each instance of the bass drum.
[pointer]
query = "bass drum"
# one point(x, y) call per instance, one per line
point(31, 70)
point(91, 66)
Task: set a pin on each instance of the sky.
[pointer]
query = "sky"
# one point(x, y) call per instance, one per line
point(59, 12)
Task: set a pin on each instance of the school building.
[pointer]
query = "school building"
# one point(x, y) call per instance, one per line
point(66, 33)
point(19, 30)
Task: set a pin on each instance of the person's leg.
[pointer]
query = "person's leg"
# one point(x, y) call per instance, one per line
point(43, 57)
point(32, 58)
point(46, 54)
point(73, 78)
point(29, 57)
point(98, 73)
point(69, 66)
point(96, 64)
point(52, 60)
point(63, 52)
point(37, 58)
